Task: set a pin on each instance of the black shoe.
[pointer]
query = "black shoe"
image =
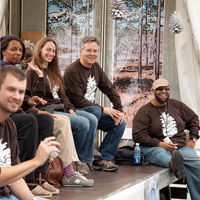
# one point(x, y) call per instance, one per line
point(176, 164)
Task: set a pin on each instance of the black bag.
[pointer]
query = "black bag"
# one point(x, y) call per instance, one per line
point(125, 156)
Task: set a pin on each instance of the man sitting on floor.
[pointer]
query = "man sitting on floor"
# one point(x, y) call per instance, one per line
point(159, 128)
point(12, 184)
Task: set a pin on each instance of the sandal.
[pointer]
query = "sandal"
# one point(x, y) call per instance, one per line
point(50, 188)
point(40, 192)
point(45, 185)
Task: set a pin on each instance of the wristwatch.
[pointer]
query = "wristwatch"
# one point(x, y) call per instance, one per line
point(194, 140)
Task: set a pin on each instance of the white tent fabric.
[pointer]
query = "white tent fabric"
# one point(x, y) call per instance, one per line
point(187, 55)
point(3, 6)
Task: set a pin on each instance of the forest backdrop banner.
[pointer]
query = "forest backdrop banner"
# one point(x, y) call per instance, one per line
point(138, 44)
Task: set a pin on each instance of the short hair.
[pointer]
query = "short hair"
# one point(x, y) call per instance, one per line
point(88, 39)
point(13, 70)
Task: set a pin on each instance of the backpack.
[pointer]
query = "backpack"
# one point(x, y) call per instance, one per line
point(125, 156)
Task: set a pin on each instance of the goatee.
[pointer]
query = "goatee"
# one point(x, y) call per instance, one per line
point(160, 100)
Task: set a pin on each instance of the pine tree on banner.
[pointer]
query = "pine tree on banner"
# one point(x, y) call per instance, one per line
point(117, 10)
point(175, 23)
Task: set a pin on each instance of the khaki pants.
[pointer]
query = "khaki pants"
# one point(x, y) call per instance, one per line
point(63, 133)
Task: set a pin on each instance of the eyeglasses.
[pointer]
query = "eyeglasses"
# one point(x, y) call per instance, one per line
point(89, 51)
point(161, 89)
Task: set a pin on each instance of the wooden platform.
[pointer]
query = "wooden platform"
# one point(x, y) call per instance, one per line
point(109, 183)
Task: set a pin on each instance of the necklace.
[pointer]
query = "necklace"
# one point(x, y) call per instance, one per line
point(165, 121)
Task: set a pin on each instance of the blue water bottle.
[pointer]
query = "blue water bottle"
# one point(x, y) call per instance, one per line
point(137, 154)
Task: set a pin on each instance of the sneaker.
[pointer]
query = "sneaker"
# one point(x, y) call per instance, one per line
point(97, 154)
point(77, 180)
point(176, 164)
point(105, 165)
point(50, 188)
point(40, 192)
point(80, 168)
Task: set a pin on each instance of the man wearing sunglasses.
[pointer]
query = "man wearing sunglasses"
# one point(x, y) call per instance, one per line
point(159, 127)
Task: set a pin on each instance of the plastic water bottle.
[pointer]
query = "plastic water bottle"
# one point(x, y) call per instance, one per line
point(137, 154)
point(53, 155)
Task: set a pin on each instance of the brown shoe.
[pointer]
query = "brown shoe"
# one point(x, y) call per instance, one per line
point(176, 164)
point(80, 168)
point(50, 188)
point(105, 165)
point(40, 192)
point(97, 154)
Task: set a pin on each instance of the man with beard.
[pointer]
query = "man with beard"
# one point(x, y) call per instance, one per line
point(159, 128)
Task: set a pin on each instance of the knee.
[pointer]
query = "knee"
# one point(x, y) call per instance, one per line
point(93, 121)
point(31, 121)
point(157, 150)
point(122, 125)
point(49, 119)
point(83, 125)
point(97, 112)
point(29, 127)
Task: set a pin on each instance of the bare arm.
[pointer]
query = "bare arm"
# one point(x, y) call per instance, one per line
point(20, 189)
point(11, 174)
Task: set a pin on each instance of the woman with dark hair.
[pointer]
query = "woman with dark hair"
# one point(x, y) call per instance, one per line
point(31, 128)
point(62, 129)
point(44, 80)
point(12, 50)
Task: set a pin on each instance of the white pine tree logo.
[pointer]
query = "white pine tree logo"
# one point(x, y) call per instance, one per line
point(5, 157)
point(91, 88)
point(171, 125)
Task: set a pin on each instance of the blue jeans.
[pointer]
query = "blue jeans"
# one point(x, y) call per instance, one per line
point(84, 127)
point(109, 146)
point(12, 197)
point(159, 156)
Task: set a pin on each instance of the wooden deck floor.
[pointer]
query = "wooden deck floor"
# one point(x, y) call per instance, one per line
point(107, 183)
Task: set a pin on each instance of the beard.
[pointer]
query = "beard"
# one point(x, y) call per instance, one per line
point(160, 100)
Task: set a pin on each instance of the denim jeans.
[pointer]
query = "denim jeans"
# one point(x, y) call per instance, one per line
point(159, 156)
point(109, 146)
point(84, 127)
point(12, 197)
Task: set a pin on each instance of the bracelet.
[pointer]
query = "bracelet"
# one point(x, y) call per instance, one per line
point(34, 198)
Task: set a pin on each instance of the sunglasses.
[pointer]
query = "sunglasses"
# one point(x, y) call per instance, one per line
point(161, 89)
